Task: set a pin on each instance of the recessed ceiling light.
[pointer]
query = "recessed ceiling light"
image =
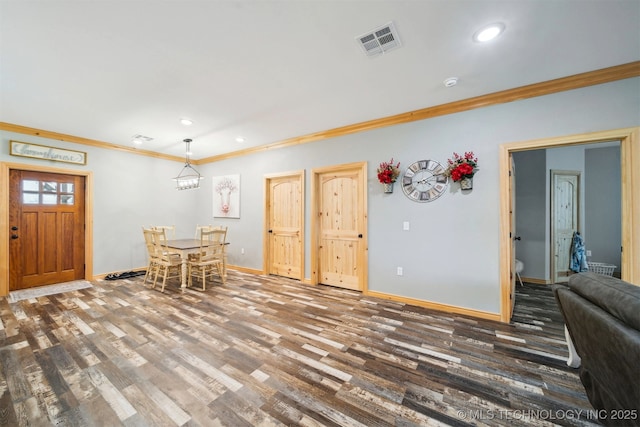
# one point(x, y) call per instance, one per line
point(239, 139)
point(451, 81)
point(489, 32)
point(186, 122)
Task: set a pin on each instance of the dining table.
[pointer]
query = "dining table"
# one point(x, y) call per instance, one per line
point(184, 247)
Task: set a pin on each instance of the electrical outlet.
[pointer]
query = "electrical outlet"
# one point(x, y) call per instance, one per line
point(588, 253)
point(242, 251)
point(405, 225)
point(399, 271)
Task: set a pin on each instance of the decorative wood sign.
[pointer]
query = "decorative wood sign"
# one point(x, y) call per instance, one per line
point(26, 149)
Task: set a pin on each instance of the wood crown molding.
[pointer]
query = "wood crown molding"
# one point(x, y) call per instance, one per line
point(25, 130)
point(577, 81)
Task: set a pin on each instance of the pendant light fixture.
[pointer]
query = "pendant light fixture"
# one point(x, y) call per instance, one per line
point(188, 178)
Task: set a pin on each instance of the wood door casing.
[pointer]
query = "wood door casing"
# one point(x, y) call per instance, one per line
point(47, 223)
point(284, 254)
point(512, 232)
point(340, 213)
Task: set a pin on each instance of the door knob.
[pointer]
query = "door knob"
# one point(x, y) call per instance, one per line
point(14, 228)
point(14, 236)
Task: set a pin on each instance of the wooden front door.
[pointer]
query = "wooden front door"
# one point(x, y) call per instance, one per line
point(285, 219)
point(341, 226)
point(47, 225)
point(564, 221)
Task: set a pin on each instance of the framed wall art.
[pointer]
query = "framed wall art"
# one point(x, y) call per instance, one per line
point(226, 196)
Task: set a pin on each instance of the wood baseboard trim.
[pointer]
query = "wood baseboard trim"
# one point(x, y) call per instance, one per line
point(246, 270)
point(437, 306)
point(536, 281)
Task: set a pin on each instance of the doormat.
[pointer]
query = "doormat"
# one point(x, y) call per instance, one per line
point(41, 291)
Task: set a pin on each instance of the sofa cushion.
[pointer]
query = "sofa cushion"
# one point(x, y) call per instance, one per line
point(618, 298)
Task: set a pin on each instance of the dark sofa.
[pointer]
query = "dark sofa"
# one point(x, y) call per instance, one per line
point(602, 315)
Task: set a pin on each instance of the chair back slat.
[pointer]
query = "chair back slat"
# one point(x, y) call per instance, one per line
point(148, 241)
point(169, 230)
point(200, 228)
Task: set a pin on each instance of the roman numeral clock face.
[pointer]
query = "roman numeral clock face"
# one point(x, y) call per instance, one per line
point(424, 181)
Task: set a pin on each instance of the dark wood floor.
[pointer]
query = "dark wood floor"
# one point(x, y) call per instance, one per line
point(264, 351)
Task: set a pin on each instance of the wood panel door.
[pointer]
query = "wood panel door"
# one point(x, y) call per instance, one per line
point(285, 225)
point(47, 222)
point(564, 221)
point(340, 209)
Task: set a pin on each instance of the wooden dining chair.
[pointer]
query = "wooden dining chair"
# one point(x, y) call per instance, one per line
point(170, 230)
point(151, 253)
point(167, 263)
point(169, 234)
point(200, 228)
point(222, 241)
point(211, 257)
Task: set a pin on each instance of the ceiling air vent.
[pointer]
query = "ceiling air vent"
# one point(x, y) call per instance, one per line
point(141, 138)
point(380, 40)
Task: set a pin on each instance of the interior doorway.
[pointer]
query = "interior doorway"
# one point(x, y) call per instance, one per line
point(630, 198)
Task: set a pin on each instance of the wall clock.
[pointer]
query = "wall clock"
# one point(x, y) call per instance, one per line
point(424, 181)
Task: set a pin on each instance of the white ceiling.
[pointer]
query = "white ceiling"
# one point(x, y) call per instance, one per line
point(274, 70)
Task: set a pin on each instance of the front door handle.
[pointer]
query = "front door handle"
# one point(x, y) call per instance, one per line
point(14, 236)
point(14, 228)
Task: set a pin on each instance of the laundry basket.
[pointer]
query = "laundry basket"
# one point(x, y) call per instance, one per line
point(601, 268)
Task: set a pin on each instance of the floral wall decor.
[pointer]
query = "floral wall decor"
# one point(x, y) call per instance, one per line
point(226, 196)
point(388, 172)
point(461, 168)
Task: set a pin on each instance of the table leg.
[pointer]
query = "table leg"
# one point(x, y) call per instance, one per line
point(224, 265)
point(183, 285)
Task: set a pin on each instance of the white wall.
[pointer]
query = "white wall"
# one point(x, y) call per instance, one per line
point(602, 204)
point(449, 256)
